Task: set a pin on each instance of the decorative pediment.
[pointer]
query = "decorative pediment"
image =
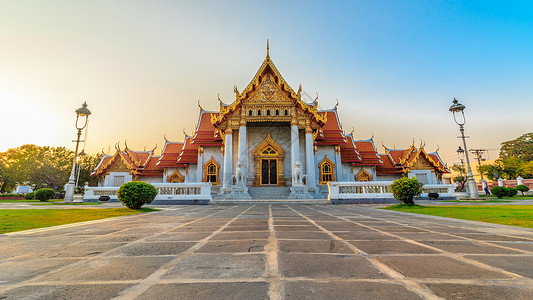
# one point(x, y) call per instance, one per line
point(363, 175)
point(175, 177)
point(268, 93)
point(268, 147)
point(118, 166)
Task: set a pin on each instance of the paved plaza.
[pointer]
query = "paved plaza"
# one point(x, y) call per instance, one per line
point(269, 252)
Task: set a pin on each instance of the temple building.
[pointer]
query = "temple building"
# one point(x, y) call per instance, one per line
point(269, 137)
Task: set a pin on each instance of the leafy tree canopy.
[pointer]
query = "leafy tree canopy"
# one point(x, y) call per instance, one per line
point(42, 167)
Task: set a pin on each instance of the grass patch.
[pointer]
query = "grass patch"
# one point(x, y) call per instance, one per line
point(474, 201)
point(24, 200)
point(514, 215)
point(62, 203)
point(23, 219)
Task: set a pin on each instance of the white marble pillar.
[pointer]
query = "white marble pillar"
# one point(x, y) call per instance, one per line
point(310, 158)
point(200, 165)
point(242, 149)
point(338, 164)
point(500, 181)
point(227, 160)
point(295, 145)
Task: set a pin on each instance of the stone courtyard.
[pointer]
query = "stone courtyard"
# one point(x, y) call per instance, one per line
point(269, 252)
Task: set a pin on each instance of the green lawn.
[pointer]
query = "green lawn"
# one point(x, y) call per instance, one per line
point(470, 201)
point(515, 215)
point(23, 219)
point(21, 201)
point(86, 203)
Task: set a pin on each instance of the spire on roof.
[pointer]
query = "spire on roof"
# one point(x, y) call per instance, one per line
point(268, 56)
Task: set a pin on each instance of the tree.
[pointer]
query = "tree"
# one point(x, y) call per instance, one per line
point(520, 148)
point(405, 189)
point(135, 194)
point(43, 167)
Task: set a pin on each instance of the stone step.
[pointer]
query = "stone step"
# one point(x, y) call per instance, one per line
point(269, 201)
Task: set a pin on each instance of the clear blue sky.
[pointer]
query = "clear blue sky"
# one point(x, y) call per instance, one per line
point(395, 66)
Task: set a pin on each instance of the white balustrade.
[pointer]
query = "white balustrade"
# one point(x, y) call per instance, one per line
point(165, 191)
point(374, 190)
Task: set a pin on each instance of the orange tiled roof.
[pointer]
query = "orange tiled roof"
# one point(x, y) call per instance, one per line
point(331, 133)
point(368, 152)
point(205, 131)
point(141, 163)
point(189, 152)
point(349, 152)
point(170, 154)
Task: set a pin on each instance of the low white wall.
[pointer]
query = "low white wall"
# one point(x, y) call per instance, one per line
point(362, 190)
point(165, 191)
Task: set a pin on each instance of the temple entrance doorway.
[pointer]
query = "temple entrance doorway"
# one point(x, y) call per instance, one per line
point(269, 171)
point(268, 163)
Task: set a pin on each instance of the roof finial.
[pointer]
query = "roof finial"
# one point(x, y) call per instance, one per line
point(336, 105)
point(268, 50)
point(372, 137)
point(200, 105)
point(438, 148)
point(165, 137)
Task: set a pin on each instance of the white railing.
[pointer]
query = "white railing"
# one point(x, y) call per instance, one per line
point(361, 190)
point(165, 191)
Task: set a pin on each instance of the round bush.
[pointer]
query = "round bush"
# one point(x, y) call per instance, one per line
point(405, 189)
point(522, 188)
point(44, 194)
point(511, 192)
point(136, 193)
point(29, 196)
point(499, 191)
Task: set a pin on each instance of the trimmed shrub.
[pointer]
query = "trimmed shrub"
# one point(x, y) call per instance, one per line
point(405, 189)
point(522, 188)
point(511, 192)
point(29, 196)
point(44, 194)
point(136, 193)
point(499, 191)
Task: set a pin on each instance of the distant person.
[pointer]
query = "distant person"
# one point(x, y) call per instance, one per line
point(487, 192)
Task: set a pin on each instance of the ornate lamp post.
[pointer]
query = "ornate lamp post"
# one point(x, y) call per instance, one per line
point(460, 154)
point(84, 113)
point(459, 117)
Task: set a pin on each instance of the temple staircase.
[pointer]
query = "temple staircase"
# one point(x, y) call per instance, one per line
point(269, 195)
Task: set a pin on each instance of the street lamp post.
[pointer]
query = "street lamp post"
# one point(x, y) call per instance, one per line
point(457, 108)
point(460, 154)
point(83, 112)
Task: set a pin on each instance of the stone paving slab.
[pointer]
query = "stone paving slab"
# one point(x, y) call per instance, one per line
point(269, 252)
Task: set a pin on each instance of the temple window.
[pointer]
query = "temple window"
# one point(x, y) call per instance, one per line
point(250, 113)
point(118, 180)
point(326, 168)
point(269, 151)
point(277, 112)
point(286, 112)
point(268, 112)
point(211, 169)
point(259, 112)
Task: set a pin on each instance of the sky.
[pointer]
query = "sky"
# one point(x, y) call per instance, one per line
point(142, 67)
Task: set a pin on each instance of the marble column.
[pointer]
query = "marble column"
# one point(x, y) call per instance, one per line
point(309, 158)
point(295, 144)
point(338, 164)
point(200, 165)
point(227, 160)
point(242, 148)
